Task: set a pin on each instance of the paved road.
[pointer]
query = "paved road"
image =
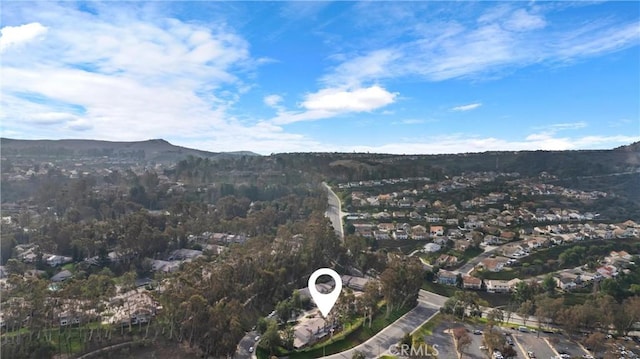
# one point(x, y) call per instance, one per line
point(242, 351)
point(334, 211)
point(393, 333)
point(432, 298)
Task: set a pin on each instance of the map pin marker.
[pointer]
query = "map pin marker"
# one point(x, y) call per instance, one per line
point(325, 301)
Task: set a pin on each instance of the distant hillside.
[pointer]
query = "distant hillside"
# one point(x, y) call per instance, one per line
point(157, 150)
point(616, 171)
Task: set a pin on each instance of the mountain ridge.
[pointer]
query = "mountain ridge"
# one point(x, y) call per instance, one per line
point(152, 149)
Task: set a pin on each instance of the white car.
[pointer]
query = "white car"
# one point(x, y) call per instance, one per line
point(250, 349)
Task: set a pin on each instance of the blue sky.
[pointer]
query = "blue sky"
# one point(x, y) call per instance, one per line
point(393, 77)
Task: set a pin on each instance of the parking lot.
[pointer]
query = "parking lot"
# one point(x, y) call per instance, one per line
point(564, 345)
point(531, 342)
point(443, 341)
point(473, 351)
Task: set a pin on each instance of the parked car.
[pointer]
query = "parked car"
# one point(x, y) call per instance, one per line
point(250, 349)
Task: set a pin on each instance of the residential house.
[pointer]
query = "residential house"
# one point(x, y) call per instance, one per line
point(491, 240)
point(507, 235)
point(608, 271)
point(441, 240)
point(421, 204)
point(355, 283)
point(56, 260)
point(399, 214)
point(446, 277)
point(511, 249)
point(473, 224)
point(432, 247)
point(432, 218)
point(68, 318)
point(436, 231)
point(446, 260)
point(623, 255)
point(493, 264)
point(400, 234)
point(565, 282)
point(158, 265)
point(415, 215)
point(498, 286)
point(382, 215)
point(184, 254)
point(419, 232)
point(379, 235)
point(61, 276)
point(386, 227)
point(451, 221)
point(470, 282)
point(461, 245)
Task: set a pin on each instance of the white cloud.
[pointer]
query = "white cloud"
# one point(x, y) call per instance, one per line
point(16, 35)
point(354, 72)
point(469, 107)
point(357, 100)
point(331, 102)
point(461, 143)
point(503, 38)
point(411, 121)
point(563, 126)
point(522, 20)
point(133, 78)
point(582, 42)
point(272, 100)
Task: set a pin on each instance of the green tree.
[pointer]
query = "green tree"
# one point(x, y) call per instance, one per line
point(462, 338)
point(283, 310)
point(495, 316)
point(369, 299)
point(549, 284)
point(271, 338)
point(261, 326)
point(525, 311)
point(401, 282)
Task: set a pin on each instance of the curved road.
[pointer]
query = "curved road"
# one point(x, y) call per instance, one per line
point(392, 334)
point(334, 211)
